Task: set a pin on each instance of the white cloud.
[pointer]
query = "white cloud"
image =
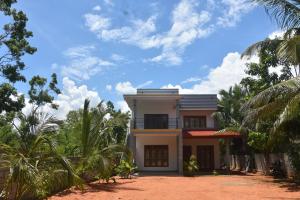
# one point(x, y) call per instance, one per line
point(145, 84)
point(108, 87)
point(188, 23)
point(117, 57)
point(181, 89)
point(96, 22)
point(71, 98)
point(191, 79)
point(235, 9)
point(109, 2)
point(97, 8)
point(83, 64)
point(276, 34)
point(230, 72)
point(127, 87)
point(136, 34)
point(123, 106)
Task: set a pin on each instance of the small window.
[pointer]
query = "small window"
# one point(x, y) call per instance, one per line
point(156, 156)
point(195, 122)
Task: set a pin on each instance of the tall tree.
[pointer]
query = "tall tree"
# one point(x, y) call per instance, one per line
point(267, 71)
point(13, 46)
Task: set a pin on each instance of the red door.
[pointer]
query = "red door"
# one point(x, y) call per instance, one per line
point(205, 157)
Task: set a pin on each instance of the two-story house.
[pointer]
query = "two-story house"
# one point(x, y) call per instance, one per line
point(168, 127)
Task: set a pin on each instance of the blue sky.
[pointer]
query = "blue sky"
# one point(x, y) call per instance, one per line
point(101, 49)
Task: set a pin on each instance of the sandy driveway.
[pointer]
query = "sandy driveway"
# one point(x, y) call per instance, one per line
point(185, 188)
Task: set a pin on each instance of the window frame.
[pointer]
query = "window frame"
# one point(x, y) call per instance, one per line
point(156, 121)
point(161, 156)
point(191, 120)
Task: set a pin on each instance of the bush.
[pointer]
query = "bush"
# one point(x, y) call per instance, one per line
point(258, 141)
point(190, 167)
point(125, 169)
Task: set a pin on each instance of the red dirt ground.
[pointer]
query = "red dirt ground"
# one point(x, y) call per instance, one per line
point(187, 188)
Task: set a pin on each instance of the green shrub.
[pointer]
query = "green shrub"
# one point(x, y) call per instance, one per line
point(125, 169)
point(258, 141)
point(190, 167)
point(215, 173)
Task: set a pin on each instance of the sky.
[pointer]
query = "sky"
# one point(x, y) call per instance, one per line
point(102, 49)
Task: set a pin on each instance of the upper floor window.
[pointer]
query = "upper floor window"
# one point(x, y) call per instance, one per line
point(156, 121)
point(194, 122)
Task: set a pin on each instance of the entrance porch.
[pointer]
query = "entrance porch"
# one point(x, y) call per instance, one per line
point(205, 145)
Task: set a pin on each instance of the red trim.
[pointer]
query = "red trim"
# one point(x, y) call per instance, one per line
point(210, 134)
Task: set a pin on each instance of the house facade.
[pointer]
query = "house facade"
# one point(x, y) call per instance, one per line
point(168, 127)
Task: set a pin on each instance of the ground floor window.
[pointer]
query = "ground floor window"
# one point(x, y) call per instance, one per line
point(156, 156)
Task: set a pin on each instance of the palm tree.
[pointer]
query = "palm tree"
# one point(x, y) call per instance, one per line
point(35, 166)
point(99, 151)
point(285, 12)
point(228, 116)
point(280, 106)
point(287, 15)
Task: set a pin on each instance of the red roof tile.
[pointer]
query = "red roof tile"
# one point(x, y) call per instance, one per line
point(210, 134)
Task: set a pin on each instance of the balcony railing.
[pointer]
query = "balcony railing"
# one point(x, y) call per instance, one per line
point(141, 123)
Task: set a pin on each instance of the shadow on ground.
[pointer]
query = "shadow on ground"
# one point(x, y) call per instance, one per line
point(287, 184)
point(96, 186)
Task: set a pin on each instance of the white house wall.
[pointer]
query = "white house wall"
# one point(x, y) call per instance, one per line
point(171, 141)
point(156, 107)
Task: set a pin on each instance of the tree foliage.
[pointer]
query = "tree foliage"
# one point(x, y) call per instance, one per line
point(28, 149)
point(285, 12)
point(260, 75)
point(13, 46)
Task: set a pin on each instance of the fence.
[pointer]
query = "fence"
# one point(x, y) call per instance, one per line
point(238, 162)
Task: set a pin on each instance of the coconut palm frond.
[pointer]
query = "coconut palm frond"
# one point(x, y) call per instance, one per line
point(285, 12)
point(250, 51)
point(254, 116)
point(290, 33)
point(290, 112)
point(116, 148)
point(255, 48)
point(289, 49)
point(73, 178)
point(280, 92)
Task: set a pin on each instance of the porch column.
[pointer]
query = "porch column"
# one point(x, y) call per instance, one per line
point(180, 142)
point(134, 113)
point(227, 154)
point(180, 156)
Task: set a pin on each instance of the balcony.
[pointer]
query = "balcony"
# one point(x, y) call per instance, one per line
point(155, 123)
